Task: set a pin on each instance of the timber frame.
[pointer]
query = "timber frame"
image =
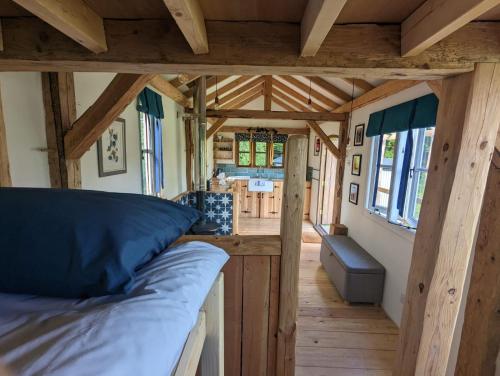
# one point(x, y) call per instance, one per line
point(444, 43)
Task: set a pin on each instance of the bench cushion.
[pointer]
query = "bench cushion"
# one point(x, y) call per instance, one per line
point(352, 256)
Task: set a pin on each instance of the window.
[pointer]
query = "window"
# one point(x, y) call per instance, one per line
point(151, 154)
point(400, 162)
point(278, 154)
point(260, 154)
point(244, 153)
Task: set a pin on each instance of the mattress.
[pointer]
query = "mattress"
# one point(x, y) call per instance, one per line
point(141, 333)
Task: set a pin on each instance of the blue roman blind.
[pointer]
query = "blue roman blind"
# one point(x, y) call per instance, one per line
point(150, 103)
point(414, 114)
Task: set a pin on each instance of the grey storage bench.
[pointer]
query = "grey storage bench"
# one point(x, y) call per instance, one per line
point(358, 277)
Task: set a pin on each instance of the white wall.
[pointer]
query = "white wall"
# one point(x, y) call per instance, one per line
point(24, 117)
point(329, 128)
point(88, 87)
point(389, 244)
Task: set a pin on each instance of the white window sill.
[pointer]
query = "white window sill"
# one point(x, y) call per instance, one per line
point(379, 219)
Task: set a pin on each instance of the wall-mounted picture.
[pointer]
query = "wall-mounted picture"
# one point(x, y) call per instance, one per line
point(356, 165)
point(353, 193)
point(359, 134)
point(111, 150)
point(317, 146)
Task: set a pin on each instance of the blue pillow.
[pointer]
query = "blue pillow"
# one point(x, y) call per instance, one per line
point(76, 243)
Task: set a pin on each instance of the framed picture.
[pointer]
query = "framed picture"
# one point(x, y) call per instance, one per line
point(359, 134)
point(317, 145)
point(356, 165)
point(353, 193)
point(111, 150)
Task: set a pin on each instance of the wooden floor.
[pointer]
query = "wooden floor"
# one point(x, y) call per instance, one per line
point(333, 338)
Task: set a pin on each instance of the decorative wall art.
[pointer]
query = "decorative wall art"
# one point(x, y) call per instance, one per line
point(353, 193)
point(111, 150)
point(317, 145)
point(356, 165)
point(359, 134)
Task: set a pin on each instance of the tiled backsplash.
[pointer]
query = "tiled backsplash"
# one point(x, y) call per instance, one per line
point(267, 173)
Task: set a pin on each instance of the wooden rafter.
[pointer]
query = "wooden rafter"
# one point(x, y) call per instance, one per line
point(319, 17)
point(211, 82)
point(285, 115)
point(293, 93)
point(360, 84)
point(147, 46)
point(332, 89)
point(122, 90)
point(315, 95)
point(241, 101)
point(166, 88)
point(228, 87)
point(244, 129)
point(382, 91)
point(436, 86)
point(436, 19)
point(189, 17)
point(268, 92)
point(73, 18)
point(289, 104)
point(325, 139)
point(183, 79)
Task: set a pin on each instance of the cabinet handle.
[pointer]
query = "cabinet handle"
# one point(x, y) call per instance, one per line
point(249, 196)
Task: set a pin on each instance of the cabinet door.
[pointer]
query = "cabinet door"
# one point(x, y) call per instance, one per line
point(249, 202)
point(270, 202)
point(307, 200)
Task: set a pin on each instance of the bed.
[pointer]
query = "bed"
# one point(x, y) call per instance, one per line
point(162, 327)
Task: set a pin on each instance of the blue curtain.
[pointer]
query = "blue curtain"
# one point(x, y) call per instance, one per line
point(414, 114)
point(377, 171)
point(405, 173)
point(158, 154)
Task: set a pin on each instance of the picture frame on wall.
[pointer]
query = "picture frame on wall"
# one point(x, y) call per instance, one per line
point(112, 150)
point(317, 146)
point(354, 193)
point(356, 165)
point(359, 134)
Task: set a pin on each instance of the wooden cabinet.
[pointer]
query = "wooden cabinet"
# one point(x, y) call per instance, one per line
point(266, 204)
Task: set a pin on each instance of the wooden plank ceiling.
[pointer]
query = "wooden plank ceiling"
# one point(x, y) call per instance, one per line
point(355, 11)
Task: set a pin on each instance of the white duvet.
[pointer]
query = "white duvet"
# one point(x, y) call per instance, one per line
point(142, 333)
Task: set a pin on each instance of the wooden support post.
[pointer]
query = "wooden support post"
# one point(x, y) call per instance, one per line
point(467, 125)
point(189, 155)
point(60, 113)
point(291, 233)
point(480, 340)
point(339, 175)
point(5, 179)
point(268, 92)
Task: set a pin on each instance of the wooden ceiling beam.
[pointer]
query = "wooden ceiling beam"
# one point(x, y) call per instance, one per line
point(295, 105)
point(284, 115)
point(166, 88)
point(156, 46)
point(258, 81)
point(244, 97)
point(434, 20)
point(325, 139)
point(268, 92)
point(314, 94)
point(291, 92)
point(332, 89)
point(74, 18)
point(436, 86)
point(282, 103)
point(239, 102)
point(122, 90)
point(228, 87)
point(189, 17)
point(360, 84)
point(243, 129)
point(382, 91)
point(183, 79)
point(319, 17)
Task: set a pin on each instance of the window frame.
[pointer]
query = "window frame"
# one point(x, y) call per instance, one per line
point(416, 168)
point(253, 154)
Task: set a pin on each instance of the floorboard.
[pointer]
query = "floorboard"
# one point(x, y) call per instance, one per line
point(333, 338)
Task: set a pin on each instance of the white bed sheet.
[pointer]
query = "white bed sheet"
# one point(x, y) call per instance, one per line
point(142, 333)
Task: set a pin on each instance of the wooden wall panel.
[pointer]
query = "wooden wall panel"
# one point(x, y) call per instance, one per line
point(274, 296)
point(256, 287)
point(233, 304)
